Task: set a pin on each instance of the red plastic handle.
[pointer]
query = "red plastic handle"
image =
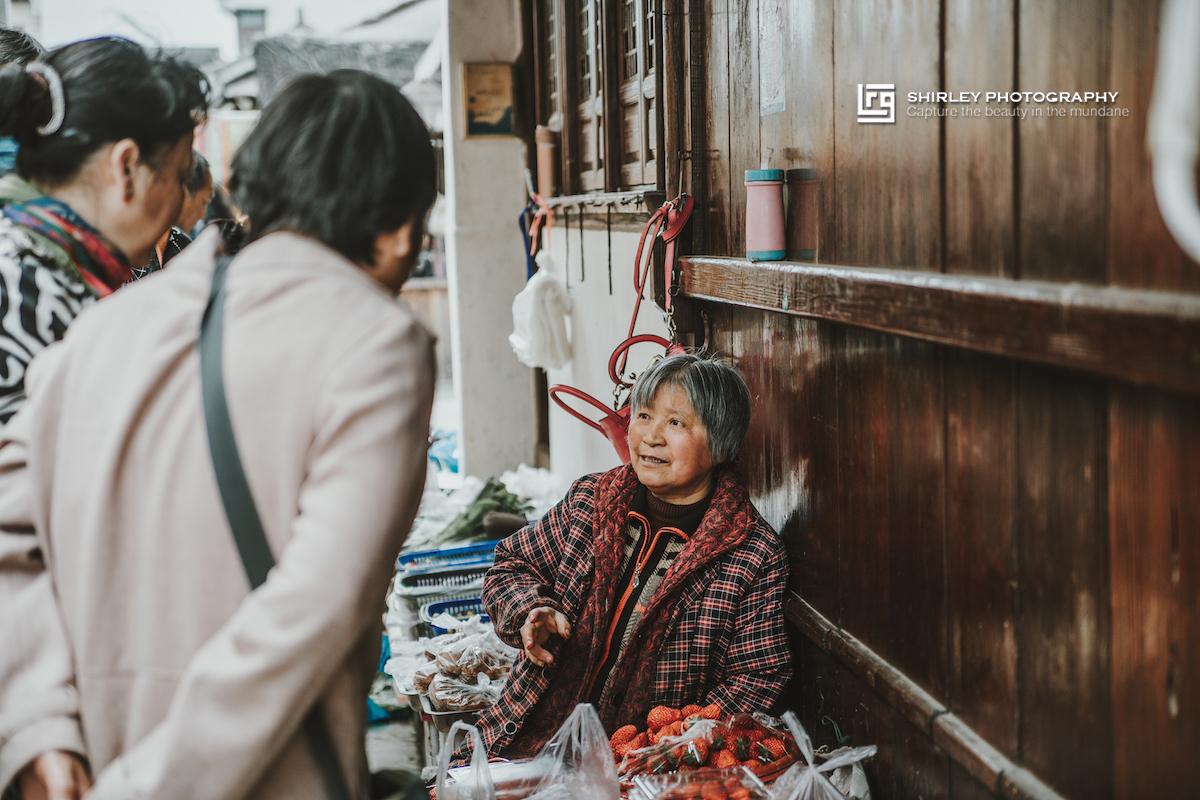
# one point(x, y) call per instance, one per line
point(613, 371)
point(560, 388)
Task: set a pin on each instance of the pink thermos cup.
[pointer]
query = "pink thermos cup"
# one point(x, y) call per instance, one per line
point(764, 215)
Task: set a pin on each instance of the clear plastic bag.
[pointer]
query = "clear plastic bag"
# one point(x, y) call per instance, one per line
point(701, 784)
point(423, 676)
point(472, 782)
point(578, 761)
point(849, 779)
point(473, 656)
point(447, 693)
point(575, 764)
point(809, 780)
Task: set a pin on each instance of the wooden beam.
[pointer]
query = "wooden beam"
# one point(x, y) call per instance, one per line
point(961, 744)
point(1145, 337)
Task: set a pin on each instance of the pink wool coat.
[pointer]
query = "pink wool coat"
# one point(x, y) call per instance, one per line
point(129, 633)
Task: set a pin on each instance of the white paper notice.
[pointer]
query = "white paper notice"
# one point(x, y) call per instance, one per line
point(772, 99)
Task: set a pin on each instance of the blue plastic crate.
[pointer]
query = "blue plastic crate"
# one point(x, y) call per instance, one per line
point(459, 580)
point(481, 553)
point(462, 608)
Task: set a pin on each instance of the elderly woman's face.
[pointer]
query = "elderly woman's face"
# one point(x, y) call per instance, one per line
point(668, 447)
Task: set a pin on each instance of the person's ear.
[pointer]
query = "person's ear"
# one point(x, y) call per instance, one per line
point(396, 246)
point(123, 160)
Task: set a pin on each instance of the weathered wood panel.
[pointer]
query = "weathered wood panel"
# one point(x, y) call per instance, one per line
point(790, 455)
point(808, 140)
point(979, 156)
point(981, 463)
point(963, 787)
point(1154, 461)
point(961, 744)
point(715, 200)
point(888, 205)
point(1063, 618)
point(744, 128)
point(837, 708)
point(1063, 160)
point(1140, 250)
point(890, 445)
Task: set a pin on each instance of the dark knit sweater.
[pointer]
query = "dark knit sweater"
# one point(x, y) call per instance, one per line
point(657, 532)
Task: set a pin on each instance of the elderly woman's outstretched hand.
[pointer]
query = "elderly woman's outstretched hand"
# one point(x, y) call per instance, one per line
point(542, 623)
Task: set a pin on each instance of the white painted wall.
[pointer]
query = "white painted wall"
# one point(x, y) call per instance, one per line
point(599, 321)
point(485, 264)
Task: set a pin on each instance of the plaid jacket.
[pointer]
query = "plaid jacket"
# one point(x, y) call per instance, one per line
point(725, 641)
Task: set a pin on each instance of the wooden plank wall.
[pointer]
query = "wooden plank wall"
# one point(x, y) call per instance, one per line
point(1022, 541)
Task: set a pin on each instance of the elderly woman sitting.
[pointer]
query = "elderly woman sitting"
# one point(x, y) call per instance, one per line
point(650, 584)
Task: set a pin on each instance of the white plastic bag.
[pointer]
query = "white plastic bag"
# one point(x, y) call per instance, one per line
point(849, 779)
point(810, 781)
point(472, 782)
point(539, 336)
point(575, 764)
point(578, 761)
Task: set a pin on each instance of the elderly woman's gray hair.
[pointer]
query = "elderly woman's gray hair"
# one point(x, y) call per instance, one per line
point(716, 391)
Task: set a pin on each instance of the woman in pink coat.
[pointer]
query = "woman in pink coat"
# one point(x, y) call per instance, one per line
point(132, 643)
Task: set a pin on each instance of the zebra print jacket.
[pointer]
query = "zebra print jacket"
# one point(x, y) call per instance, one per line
point(41, 293)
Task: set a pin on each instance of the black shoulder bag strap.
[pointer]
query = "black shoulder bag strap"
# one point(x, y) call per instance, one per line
point(243, 517)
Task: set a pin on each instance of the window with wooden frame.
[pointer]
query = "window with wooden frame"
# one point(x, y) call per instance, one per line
point(589, 106)
point(638, 93)
point(598, 86)
point(549, 49)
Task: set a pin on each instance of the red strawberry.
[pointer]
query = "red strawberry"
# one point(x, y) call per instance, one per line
point(623, 735)
point(660, 716)
point(771, 749)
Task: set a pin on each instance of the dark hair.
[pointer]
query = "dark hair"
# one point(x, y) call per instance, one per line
point(18, 47)
point(200, 173)
point(113, 90)
point(341, 157)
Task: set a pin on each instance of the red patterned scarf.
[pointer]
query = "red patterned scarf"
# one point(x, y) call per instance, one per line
point(101, 265)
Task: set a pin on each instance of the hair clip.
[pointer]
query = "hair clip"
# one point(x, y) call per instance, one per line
point(58, 100)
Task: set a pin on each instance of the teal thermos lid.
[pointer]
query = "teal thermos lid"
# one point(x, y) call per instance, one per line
point(755, 175)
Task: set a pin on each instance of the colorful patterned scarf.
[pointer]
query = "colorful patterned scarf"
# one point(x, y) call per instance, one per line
point(101, 265)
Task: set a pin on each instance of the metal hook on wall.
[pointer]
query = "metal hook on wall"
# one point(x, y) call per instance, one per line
point(608, 226)
point(582, 250)
point(567, 239)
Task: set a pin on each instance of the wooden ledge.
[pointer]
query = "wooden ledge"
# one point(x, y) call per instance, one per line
point(959, 741)
point(1141, 336)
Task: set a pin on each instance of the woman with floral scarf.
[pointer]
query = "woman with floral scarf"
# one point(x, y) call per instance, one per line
point(105, 145)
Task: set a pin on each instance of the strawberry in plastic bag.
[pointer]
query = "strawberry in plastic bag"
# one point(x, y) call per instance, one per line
point(740, 742)
point(704, 784)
